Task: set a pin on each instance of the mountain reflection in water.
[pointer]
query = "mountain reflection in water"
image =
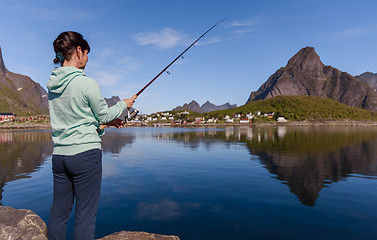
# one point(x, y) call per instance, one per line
point(21, 154)
point(305, 158)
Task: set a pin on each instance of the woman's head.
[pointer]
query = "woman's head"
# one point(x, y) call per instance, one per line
point(69, 43)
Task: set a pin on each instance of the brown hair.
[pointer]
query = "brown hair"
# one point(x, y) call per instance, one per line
point(66, 43)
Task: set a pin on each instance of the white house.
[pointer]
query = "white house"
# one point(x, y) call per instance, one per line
point(281, 119)
point(250, 116)
point(269, 115)
point(244, 120)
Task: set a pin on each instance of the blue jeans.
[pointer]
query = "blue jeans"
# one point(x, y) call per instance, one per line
point(78, 176)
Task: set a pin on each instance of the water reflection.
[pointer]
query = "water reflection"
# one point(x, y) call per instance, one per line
point(21, 154)
point(24, 152)
point(113, 141)
point(307, 159)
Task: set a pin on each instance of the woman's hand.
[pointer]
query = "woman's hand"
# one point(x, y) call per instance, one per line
point(130, 101)
point(118, 123)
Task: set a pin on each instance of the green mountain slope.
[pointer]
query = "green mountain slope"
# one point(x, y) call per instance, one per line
point(300, 108)
point(19, 94)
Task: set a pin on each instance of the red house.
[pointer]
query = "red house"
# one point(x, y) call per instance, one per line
point(5, 117)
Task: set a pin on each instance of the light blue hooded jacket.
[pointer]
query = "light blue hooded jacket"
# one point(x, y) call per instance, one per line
point(77, 109)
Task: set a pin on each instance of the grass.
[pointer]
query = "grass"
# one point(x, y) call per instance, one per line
point(301, 108)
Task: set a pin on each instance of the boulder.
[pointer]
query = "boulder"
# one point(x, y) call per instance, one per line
point(21, 224)
point(128, 235)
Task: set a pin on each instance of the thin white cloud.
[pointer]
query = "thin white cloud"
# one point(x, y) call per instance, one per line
point(129, 64)
point(106, 52)
point(242, 31)
point(106, 78)
point(163, 39)
point(356, 32)
point(211, 40)
point(109, 67)
point(242, 28)
point(256, 20)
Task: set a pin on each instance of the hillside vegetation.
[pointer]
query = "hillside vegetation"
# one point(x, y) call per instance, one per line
point(300, 108)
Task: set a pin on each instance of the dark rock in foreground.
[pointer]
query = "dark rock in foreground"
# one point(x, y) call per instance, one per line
point(123, 235)
point(21, 224)
point(25, 224)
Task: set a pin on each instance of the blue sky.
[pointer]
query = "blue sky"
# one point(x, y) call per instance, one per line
point(133, 40)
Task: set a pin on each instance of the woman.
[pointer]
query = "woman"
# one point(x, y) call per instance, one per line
point(78, 115)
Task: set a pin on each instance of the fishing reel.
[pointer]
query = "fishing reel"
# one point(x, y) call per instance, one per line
point(131, 114)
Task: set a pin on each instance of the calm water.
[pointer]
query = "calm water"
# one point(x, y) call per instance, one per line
point(233, 183)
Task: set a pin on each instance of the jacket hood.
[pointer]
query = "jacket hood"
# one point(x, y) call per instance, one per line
point(61, 77)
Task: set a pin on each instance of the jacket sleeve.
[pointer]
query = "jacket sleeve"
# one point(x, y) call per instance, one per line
point(98, 105)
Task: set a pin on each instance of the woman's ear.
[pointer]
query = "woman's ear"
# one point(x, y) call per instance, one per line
point(79, 52)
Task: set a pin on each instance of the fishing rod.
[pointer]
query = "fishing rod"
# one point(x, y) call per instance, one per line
point(180, 55)
point(134, 112)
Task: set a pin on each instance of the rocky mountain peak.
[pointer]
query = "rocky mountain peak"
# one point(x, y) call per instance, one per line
point(19, 94)
point(368, 78)
point(306, 60)
point(193, 102)
point(3, 70)
point(206, 107)
point(305, 74)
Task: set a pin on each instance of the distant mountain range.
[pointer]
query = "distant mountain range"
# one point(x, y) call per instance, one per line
point(305, 74)
point(19, 94)
point(368, 78)
point(112, 101)
point(206, 107)
point(192, 106)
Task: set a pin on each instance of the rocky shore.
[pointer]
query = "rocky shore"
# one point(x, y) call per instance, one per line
point(25, 224)
point(26, 126)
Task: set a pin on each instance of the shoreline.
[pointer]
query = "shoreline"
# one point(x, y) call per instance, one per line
point(25, 127)
point(7, 126)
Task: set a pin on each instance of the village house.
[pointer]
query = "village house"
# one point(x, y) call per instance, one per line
point(211, 120)
point(164, 114)
point(249, 116)
point(244, 120)
point(281, 119)
point(199, 120)
point(269, 115)
point(6, 117)
point(184, 113)
point(229, 120)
